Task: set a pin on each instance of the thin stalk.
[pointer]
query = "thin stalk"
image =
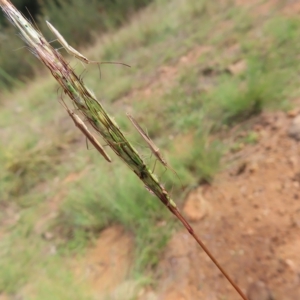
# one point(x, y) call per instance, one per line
point(93, 110)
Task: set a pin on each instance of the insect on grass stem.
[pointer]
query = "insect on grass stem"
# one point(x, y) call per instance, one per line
point(82, 127)
point(154, 149)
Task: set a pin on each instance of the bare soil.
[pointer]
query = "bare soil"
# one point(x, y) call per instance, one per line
point(107, 264)
point(249, 219)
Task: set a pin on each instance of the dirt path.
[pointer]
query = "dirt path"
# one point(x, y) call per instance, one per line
point(250, 221)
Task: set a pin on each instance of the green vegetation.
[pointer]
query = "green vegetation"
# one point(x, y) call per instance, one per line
point(182, 89)
point(89, 208)
point(100, 15)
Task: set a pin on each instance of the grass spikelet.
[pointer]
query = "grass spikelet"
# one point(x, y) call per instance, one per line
point(96, 115)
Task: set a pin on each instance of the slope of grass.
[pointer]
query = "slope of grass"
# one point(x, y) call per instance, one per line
point(180, 93)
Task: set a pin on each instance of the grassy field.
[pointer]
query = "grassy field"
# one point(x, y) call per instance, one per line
point(198, 68)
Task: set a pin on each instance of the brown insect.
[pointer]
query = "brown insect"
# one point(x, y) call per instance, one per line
point(153, 147)
point(82, 127)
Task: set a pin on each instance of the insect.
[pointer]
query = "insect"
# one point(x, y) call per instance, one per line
point(153, 147)
point(82, 127)
point(74, 52)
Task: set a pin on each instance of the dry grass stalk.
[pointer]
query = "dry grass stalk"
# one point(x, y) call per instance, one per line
point(92, 109)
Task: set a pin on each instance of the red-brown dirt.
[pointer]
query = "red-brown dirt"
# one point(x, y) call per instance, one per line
point(250, 222)
point(107, 264)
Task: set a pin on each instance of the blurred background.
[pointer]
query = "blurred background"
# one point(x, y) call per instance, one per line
point(215, 84)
